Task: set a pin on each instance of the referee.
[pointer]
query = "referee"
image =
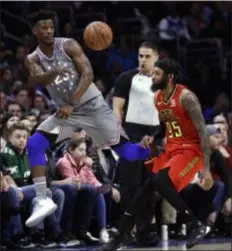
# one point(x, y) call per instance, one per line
point(133, 104)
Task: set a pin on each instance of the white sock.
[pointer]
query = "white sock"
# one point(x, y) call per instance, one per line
point(40, 187)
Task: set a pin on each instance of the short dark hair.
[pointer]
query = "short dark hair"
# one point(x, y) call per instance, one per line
point(150, 45)
point(31, 114)
point(17, 126)
point(13, 103)
point(35, 17)
point(74, 143)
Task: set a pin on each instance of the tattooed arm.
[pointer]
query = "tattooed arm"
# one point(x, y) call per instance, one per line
point(75, 52)
point(192, 106)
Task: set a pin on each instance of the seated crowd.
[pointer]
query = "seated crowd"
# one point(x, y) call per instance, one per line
point(84, 183)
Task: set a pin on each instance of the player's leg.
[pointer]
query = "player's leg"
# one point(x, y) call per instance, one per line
point(137, 205)
point(36, 147)
point(103, 127)
point(133, 213)
point(169, 181)
point(38, 143)
point(130, 151)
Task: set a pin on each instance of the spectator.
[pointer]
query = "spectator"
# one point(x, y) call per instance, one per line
point(39, 103)
point(7, 121)
point(172, 26)
point(6, 81)
point(3, 100)
point(221, 105)
point(12, 233)
point(27, 123)
point(196, 20)
point(14, 109)
point(222, 123)
point(81, 201)
point(19, 70)
point(14, 158)
point(223, 199)
point(33, 118)
point(22, 98)
point(77, 167)
point(220, 25)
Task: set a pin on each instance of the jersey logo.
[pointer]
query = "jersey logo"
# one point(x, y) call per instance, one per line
point(173, 103)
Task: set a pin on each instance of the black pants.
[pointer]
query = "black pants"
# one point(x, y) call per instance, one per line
point(131, 175)
point(198, 200)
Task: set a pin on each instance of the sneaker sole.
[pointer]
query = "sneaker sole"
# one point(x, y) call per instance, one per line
point(62, 245)
point(33, 222)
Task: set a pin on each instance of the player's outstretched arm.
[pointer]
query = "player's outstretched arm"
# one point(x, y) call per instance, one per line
point(75, 52)
point(192, 106)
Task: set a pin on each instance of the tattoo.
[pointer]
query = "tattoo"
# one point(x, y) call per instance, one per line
point(191, 104)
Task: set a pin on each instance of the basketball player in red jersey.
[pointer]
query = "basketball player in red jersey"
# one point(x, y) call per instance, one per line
point(186, 153)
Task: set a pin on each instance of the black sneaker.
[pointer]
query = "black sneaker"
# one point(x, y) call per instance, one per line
point(151, 239)
point(64, 240)
point(38, 238)
point(197, 233)
point(114, 244)
point(87, 238)
point(18, 242)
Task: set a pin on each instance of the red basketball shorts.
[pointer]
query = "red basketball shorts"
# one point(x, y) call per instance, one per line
point(184, 162)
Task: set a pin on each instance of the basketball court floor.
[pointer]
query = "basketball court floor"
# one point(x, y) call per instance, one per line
point(207, 244)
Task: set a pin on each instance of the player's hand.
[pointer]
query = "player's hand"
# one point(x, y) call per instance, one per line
point(206, 180)
point(146, 141)
point(64, 111)
point(227, 207)
point(116, 195)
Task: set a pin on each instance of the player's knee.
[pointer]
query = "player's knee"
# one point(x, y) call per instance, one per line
point(37, 143)
point(36, 147)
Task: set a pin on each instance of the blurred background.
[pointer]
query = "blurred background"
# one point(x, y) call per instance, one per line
point(196, 33)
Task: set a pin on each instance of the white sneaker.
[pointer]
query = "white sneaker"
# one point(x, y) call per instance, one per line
point(104, 236)
point(42, 209)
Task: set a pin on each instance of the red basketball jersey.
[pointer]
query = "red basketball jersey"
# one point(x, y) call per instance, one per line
point(179, 126)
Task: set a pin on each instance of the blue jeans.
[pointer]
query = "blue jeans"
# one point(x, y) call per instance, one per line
point(219, 196)
point(14, 225)
point(52, 222)
point(79, 206)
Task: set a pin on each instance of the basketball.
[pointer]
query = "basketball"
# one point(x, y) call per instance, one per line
point(98, 36)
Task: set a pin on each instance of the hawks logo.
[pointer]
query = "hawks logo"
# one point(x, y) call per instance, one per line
point(173, 103)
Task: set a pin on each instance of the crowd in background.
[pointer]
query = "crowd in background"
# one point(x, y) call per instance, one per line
point(81, 216)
